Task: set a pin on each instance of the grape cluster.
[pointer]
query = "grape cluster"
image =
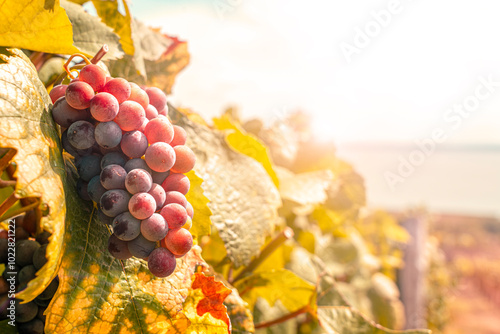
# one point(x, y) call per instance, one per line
point(131, 162)
point(29, 258)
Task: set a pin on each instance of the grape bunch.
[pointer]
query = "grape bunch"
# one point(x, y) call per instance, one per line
point(29, 258)
point(131, 162)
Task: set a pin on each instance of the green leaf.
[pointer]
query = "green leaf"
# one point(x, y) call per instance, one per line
point(98, 293)
point(27, 126)
point(202, 213)
point(283, 285)
point(345, 320)
point(36, 25)
point(243, 198)
point(245, 143)
point(89, 33)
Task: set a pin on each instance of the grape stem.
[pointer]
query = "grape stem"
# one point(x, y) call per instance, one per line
point(284, 318)
point(101, 53)
point(286, 234)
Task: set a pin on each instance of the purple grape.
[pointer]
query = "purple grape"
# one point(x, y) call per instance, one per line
point(95, 188)
point(81, 135)
point(88, 166)
point(141, 247)
point(126, 227)
point(65, 115)
point(137, 181)
point(137, 163)
point(108, 134)
point(158, 194)
point(154, 228)
point(113, 177)
point(113, 158)
point(134, 144)
point(113, 202)
point(159, 177)
point(142, 205)
point(118, 248)
point(161, 262)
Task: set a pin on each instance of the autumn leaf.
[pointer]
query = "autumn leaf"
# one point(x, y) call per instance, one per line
point(27, 126)
point(304, 188)
point(204, 306)
point(202, 213)
point(243, 198)
point(36, 25)
point(283, 285)
point(245, 143)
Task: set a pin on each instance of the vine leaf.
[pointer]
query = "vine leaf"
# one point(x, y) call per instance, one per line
point(202, 213)
point(245, 143)
point(304, 188)
point(27, 126)
point(34, 25)
point(283, 285)
point(89, 33)
point(243, 198)
point(205, 308)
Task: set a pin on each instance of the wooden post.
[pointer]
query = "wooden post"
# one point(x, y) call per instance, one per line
point(412, 277)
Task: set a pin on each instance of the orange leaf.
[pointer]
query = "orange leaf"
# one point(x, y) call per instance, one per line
point(215, 293)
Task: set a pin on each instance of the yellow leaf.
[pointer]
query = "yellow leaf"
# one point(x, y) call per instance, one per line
point(246, 144)
point(27, 126)
point(202, 213)
point(283, 285)
point(36, 25)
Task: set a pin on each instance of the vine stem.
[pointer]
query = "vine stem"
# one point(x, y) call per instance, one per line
point(101, 53)
point(284, 318)
point(286, 234)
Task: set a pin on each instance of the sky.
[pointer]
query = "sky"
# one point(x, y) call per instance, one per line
point(376, 71)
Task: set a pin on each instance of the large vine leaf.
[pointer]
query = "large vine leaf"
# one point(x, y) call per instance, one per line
point(27, 126)
point(304, 188)
point(98, 293)
point(36, 25)
point(89, 33)
point(202, 213)
point(246, 143)
point(244, 200)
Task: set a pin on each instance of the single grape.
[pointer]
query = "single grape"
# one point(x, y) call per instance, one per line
point(119, 88)
point(108, 134)
point(24, 252)
point(159, 177)
point(95, 188)
point(134, 144)
point(160, 157)
point(50, 290)
point(137, 163)
point(142, 205)
point(176, 182)
point(94, 75)
point(21, 233)
point(180, 136)
point(113, 158)
point(175, 215)
point(137, 181)
point(175, 197)
point(29, 221)
point(39, 257)
point(43, 238)
point(88, 166)
point(161, 262)
point(138, 95)
point(130, 116)
point(151, 112)
point(113, 202)
point(65, 115)
point(81, 135)
point(113, 177)
point(159, 130)
point(158, 194)
point(57, 92)
point(163, 112)
point(102, 218)
point(118, 248)
point(76, 153)
point(34, 326)
point(156, 97)
point(179, 241)
point(104, 107)
point(126, 227)
point(190, 210)
point(141, 247)
point(25, 312)
point(81, 189)
point(41, 315)
point(154, 228)
point(184, 159)
point(27, 273)
point(105, 151)
point(78, 95)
